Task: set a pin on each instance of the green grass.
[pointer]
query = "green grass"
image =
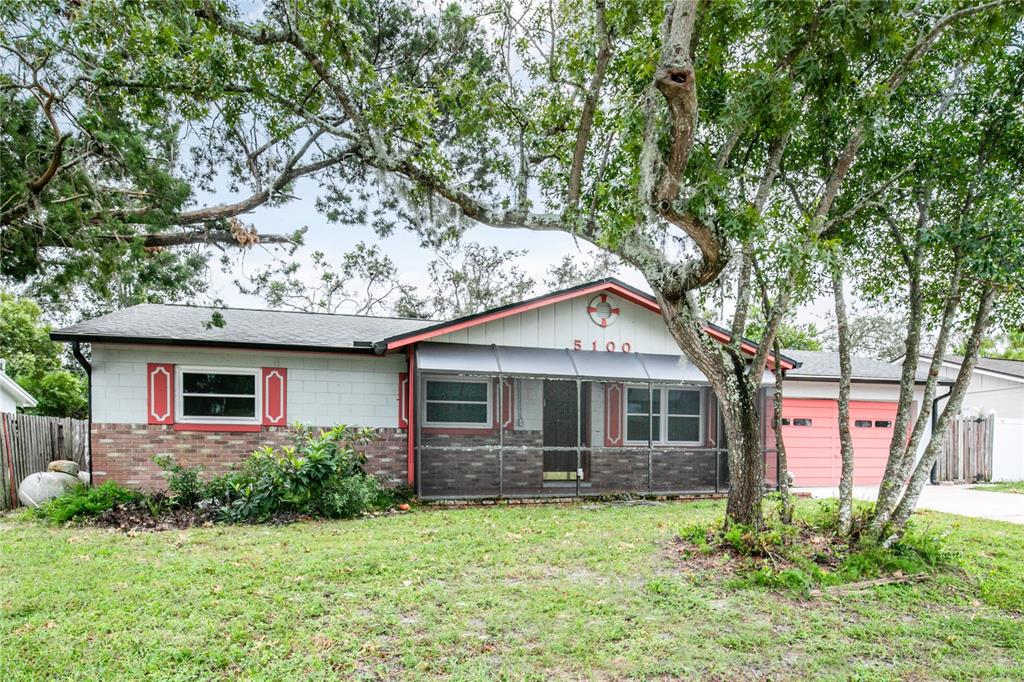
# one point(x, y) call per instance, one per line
point(1004, 487)
point(520, 593)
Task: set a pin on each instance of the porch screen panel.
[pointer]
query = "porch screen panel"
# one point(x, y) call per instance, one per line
point(539, 457)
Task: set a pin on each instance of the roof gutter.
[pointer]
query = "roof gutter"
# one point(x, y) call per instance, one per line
point(151, 341)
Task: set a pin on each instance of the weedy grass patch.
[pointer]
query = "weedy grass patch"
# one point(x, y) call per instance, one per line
point(1003, 487)
point(537, 592)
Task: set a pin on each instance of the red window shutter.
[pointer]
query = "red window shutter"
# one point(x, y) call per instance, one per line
point(403, 400)
point(275, 396)
point(612, 415)
point(507, 405)
point(159, 393)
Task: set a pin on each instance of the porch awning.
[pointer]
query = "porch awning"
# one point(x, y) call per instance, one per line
point(457, 358)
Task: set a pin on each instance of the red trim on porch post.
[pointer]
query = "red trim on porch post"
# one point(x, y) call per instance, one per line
point(613, 415)
point(403, 401)
point(410, 436)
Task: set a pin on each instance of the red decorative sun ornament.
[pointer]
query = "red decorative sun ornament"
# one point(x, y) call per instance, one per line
point(602, 310)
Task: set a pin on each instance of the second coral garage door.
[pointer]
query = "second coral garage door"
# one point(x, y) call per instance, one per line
point(810, 429)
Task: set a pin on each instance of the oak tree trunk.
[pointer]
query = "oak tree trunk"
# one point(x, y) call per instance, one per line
point(746, 459)
point(786, 511)
point(941, 432)
point(845, 372)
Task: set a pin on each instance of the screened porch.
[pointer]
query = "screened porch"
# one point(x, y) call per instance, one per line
point(493, 421)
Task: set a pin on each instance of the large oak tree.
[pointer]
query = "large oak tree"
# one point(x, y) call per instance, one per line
point(683, 137)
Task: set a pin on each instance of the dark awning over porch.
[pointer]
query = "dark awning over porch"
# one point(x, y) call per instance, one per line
point(466, 359)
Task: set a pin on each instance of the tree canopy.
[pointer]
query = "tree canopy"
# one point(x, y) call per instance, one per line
point(35, 362)
point(751, 146)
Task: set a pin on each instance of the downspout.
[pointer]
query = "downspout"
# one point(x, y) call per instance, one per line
point(933, 476)
point(76, 350)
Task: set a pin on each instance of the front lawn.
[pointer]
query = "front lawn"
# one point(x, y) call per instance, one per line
point(1004, 487)
point(590, 591)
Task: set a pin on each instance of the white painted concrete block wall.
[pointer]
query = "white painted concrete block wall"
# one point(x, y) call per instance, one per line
point(323, 389)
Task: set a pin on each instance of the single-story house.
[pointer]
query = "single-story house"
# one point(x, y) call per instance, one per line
point(996, 388)
point(12, 396)
point(580, 391)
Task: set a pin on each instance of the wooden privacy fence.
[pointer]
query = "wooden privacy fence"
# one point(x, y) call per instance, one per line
point(29, 442)
point(967, 455)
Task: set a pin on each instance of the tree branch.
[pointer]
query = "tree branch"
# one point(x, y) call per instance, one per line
point(604, 55)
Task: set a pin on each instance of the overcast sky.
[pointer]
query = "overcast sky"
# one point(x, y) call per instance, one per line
point(544, 249)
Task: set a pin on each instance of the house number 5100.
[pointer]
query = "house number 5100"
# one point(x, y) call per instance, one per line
point(626, 347)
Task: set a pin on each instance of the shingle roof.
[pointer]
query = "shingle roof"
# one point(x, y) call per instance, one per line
point(1012, 367)
point(823, 364)
point(180, 324)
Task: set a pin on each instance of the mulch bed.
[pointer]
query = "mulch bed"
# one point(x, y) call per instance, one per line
point(722, 558)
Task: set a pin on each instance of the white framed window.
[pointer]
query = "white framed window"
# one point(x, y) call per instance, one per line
point(674, 415)
point(217, 395)
point(639, 414)
point(457, 403)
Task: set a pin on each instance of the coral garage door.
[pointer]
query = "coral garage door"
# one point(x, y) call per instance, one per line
point(810, 429)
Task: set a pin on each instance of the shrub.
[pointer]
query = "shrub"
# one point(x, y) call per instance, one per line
point(184, 483)
point(320, 475)
point(82, 501)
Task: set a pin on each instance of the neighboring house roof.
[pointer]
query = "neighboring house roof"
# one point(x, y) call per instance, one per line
point(1009, 368)
point(22, 398)
point(825, 365)
point(276, 329)
point(285, 330)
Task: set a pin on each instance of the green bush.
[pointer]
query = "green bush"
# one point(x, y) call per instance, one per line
point(82, 501)
point(320, 475)
point(185, 484)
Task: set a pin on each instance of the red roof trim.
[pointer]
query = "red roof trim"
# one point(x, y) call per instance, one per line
point(625, 293)
point(619, 290)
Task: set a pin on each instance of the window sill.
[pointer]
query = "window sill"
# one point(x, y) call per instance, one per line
point(234, 428)
point(663, 445)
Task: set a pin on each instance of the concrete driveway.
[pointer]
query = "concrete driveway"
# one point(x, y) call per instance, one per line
point(952, 499)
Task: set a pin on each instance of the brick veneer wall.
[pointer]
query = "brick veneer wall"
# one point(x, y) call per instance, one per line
point(125, 452)
point(475, 472)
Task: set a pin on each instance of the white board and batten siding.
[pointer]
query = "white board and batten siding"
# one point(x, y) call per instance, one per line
point(323, 389)
point(562, 324)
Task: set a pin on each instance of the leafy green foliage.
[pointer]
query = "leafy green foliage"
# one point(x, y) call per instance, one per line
point(321, 475)
point(59, 393)
point(24, 340)
point(81, 502)
point(792, 335)
point(34, 361)
point(185, 484)
point(811, 552)
point(1007, 347)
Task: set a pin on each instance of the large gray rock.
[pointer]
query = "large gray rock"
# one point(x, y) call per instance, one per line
point(39, 488)
point(65, 466)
